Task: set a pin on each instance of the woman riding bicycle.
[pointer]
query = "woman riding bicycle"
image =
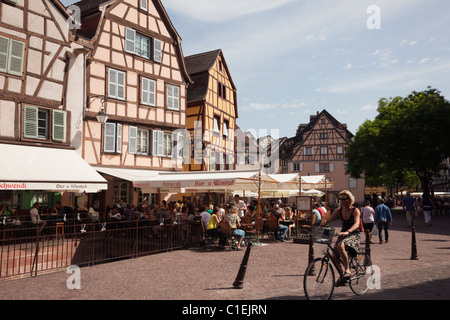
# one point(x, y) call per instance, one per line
point(349, 237)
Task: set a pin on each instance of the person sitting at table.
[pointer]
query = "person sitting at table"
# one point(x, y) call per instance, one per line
point(5, 212)
point(114, 214)
point(34, 214)
point(235, 223)
point(204, 216)
point(316, 216)
point(281, 227)
point(58, 209)
point(287, 217)
point(213, 227)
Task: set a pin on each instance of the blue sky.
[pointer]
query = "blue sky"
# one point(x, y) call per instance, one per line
point(292, 58)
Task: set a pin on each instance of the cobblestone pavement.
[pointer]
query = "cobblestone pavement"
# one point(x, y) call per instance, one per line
point(274, 272)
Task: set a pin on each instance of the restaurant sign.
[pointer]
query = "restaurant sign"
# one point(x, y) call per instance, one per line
point(64, 186)
point(185, 183)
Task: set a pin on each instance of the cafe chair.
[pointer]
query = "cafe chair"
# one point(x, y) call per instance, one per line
point(59, 229)
point(272, 227)
point(230, 239)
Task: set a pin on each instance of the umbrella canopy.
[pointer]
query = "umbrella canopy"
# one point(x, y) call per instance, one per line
point(313, 192)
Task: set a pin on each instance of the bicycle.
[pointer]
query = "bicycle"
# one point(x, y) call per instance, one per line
point(319, 280)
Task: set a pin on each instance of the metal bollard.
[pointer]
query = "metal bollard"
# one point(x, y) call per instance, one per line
point(312, 271)
point(367, 249)
point(414, 255)
point(239, 281)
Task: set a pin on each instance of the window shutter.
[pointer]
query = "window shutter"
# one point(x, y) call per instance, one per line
point(175, 98)
point(291, 167)
point(59, 125)
point(112, 79)
point(30, 119)
point(157, 50)
point(317, 167)
point(331, 167)
point(132, 142)
point(4, 45)
point(119, 138)
point(148, 92)
point(169, 144)
point(169, 97)
point(110, 137)
point(155, 142)
point(130, 38)
point(120, 85)
point(16, 57)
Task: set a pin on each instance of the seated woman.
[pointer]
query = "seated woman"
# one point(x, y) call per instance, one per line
point(213, 226)
point(235, 222)
point(349, 237)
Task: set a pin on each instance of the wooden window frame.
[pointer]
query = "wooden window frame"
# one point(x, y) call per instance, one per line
point(55, 124)
point(9, 57)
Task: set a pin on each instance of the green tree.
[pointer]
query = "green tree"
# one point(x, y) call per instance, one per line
point(409, 135)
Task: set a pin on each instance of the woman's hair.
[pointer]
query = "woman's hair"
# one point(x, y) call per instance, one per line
point(233, 210)
point(349, 195)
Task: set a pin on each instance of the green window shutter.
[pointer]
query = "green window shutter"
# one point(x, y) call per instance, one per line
point(59, 125)
point(16, 55)
point(121, 85)
point(4, 49)
point(30, 120)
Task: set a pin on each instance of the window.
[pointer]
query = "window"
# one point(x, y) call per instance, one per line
point(40, 123)
point(138, 44)
point(138, 141)
point(221, 90)
point(324, 167)
point(162, 143)
point(352, 183)
point(112, 142)
point(11, 56)
point(148, 92)
point(122, 191)
point(296, 167)
point(339, 149)
point(323, 150)
point(116, 84)
point(225, 128)
point(143, 5)
point(173, 97)
point(309, 151)
point(217, 124)
point(323, 135)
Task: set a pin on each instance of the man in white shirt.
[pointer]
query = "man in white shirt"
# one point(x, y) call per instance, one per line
point(240, 205)
point(34, 213)
point(204, 216)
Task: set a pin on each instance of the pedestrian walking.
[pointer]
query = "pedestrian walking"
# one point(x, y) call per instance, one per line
point(383, 219)
point(368, 218)
point(409, 207)
point(427, 207)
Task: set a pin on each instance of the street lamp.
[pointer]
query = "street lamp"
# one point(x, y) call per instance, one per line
point(102, 116)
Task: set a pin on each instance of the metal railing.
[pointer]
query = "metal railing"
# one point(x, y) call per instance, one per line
point(26, 250)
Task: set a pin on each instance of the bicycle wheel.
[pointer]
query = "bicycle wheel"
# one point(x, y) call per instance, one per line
point(318, 281)
point(362, 271)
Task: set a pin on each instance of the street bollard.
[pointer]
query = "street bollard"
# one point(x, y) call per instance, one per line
point(239, 281)
point(367, 249)
point(312, 271)
point(414, 255)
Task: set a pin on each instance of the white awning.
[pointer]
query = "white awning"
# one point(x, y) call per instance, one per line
point(39, 168)
point(128, 174)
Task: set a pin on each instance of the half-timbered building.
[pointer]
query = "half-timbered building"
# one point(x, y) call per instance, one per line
point(41, 99)
point(211, 113)
point(319, 149)
point(135, 74)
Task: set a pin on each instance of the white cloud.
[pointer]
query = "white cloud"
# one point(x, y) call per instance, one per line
point(348, 67)
point(255, 106)
point(424, 60)
point(384, 58)
point(368, 106)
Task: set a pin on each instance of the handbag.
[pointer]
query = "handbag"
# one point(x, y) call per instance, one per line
point(374, 229)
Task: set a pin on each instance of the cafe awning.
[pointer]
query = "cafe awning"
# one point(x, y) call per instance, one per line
point(40, 168)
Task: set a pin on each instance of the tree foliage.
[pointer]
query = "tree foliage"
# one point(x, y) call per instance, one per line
point(408, 136)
